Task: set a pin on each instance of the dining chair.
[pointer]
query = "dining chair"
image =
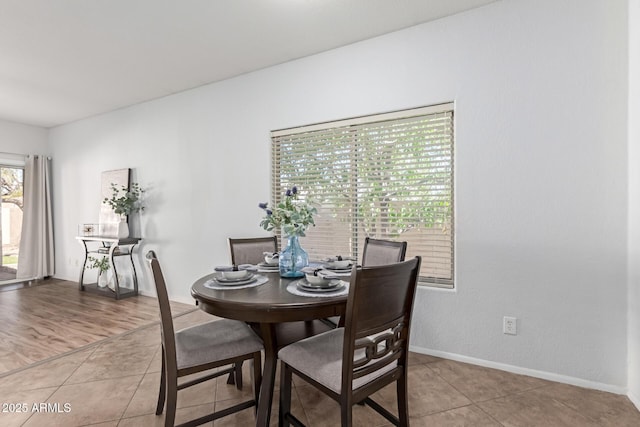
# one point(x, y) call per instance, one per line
point(380, 252)
point(377, 252)
point(351, 363)
point(200, 348)
point(250, 250)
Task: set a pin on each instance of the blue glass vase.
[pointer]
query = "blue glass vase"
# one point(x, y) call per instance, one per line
point(293, 258)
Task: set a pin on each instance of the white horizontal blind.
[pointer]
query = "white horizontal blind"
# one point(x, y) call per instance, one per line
point(387, 176)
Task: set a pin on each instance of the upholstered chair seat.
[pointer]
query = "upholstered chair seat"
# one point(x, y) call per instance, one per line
point(216, 340)
point(320, 357)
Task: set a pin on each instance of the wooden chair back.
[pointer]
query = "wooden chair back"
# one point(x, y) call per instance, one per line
point(166, 320)
point(382, 252)
point(377, 323)
point(250, 250)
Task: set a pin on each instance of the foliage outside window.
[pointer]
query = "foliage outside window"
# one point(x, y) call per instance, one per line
point(11, 180)
point(388, 176)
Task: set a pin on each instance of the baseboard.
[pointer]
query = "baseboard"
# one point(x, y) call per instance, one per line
point(634, 399)
point(550, 376)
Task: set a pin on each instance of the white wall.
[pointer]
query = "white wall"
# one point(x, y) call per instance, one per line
point(634, 202)
point(541, 179)
point(17, 138)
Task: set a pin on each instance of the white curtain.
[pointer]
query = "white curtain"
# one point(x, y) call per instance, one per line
point(36, 243)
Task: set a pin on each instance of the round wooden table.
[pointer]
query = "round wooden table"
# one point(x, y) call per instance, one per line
point(278, 316)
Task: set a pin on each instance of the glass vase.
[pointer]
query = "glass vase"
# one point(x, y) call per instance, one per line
point(103, 280)
point(293, 258)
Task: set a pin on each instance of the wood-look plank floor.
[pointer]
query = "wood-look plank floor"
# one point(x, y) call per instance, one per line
point(54, 317)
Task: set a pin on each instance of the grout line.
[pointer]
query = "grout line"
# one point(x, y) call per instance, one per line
point(472, 404)
point(488, 414)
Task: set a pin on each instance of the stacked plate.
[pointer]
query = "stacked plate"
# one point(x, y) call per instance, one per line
point(268, 267)
point(331, 286)
point(340, 269)
point(219, 279)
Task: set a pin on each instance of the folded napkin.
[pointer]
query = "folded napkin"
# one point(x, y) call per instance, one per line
point(335, 258)
point(326, 274)
point(248, 267)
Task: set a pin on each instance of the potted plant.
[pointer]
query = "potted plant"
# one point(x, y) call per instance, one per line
point(125, 201)
point(102, 264)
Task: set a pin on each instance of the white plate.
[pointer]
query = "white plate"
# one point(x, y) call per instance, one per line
point(334, 288)
point(218, 277)
point(339, 269)
point(308, 285)
point(265, 265)
point(232, 284)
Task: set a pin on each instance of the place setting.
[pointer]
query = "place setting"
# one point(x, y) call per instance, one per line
point(339, 265)
point(235, 277)
point(318, 282)
point(270, 263)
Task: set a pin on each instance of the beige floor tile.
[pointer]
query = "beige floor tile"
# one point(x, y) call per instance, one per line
point(150, 420)
point(479, 383)
point(146, 336)
point(47, 374)
point(145, 399)
point(321, 411)
point(531, 409)
point(226, 391)
point(420, 359)
point(428, 393)
point(247, 416)
point(156, 362)
point(18, 406)
point(467, 416)
point(606, 409)
point(296, 408)
point(182, 416)
point(107, 424)
point(243, 418)
point(92, 402)
point(114, 360)
point(205, 392)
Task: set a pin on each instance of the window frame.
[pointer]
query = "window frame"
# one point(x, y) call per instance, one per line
point(277, 185)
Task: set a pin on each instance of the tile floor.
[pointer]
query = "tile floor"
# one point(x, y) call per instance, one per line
point(115, 383)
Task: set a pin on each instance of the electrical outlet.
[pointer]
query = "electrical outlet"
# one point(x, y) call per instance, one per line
point(509, 325)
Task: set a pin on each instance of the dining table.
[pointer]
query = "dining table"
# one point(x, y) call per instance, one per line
point(279, 316)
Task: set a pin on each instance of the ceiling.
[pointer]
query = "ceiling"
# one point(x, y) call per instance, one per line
point(64, 60)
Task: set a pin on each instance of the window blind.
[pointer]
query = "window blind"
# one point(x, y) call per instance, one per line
point(388, 176)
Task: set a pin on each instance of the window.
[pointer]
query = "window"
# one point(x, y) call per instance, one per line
point(387, 176)
point(11, 204)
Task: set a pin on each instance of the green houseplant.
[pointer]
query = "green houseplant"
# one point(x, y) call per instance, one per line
point(102, 264)
point(293, 216)
point(125, 201)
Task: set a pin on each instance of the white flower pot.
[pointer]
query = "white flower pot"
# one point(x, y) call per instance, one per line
point(123, 229)
point(103, 280)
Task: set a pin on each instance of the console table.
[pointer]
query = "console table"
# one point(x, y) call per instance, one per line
point(110, 247)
